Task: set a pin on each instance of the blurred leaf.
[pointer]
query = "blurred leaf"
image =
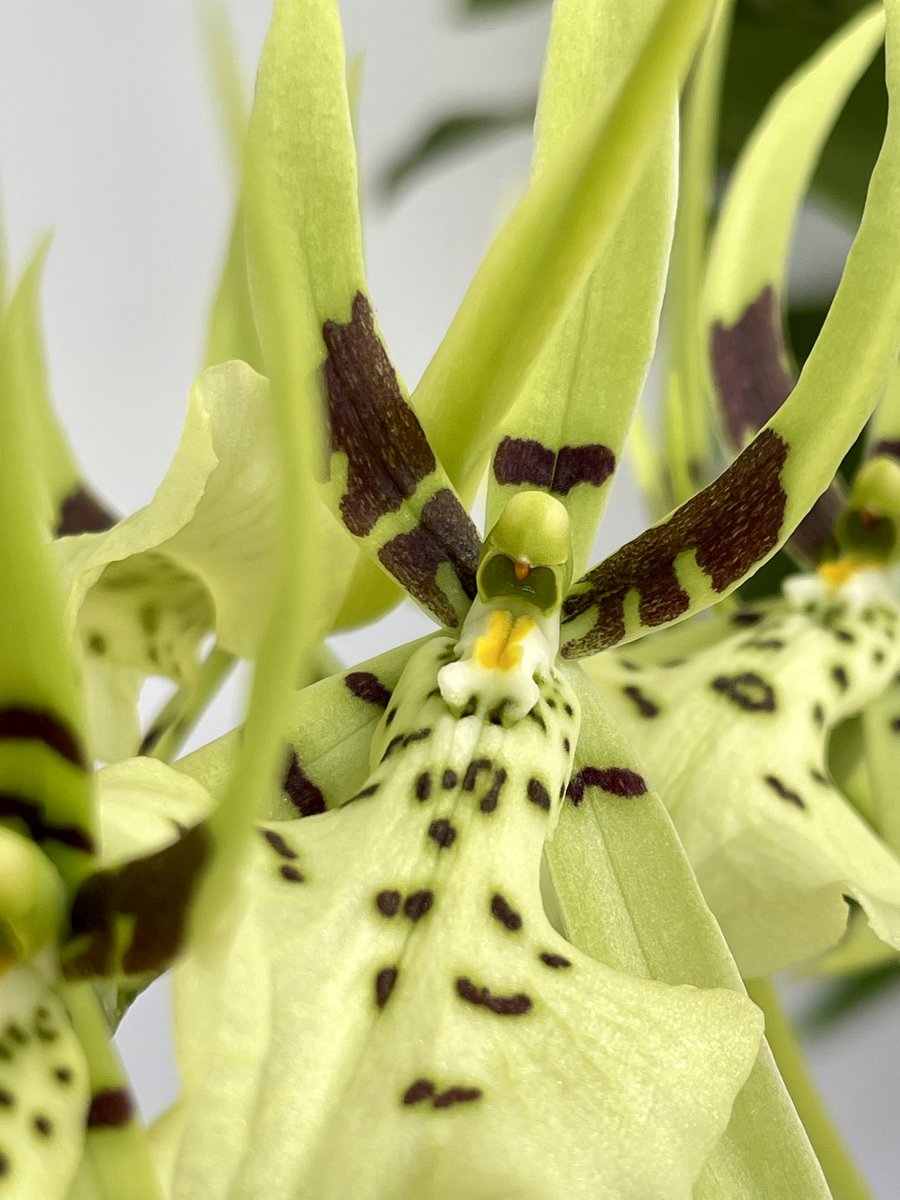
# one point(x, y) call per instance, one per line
point(448, 135)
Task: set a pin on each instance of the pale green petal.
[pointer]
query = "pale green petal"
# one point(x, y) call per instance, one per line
point(44, 780)
point(540, 263)
point(328, 729)
point(774, 845)
point(199, 557)
point(627, 896)
point(416, 1060)
point(384, 482)
point(566, 431)
point(706, 548)
point(44, 1090)
point(232, 328)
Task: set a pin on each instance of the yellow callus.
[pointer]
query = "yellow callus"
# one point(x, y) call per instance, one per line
point(499, 649)
point(836, 573)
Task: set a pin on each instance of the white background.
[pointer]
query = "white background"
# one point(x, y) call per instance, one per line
point(108, 136)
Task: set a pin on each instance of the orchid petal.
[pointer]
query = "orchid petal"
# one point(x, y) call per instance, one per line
point(566, 430)
point(442, 932)
point(776, 849)
point(709, 545)
point(540, 263)
point(627, 896)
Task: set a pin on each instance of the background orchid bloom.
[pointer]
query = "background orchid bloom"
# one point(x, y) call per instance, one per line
point(427, 934)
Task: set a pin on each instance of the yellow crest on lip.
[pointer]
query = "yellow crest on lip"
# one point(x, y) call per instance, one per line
point(498, 649)
point(836, 573)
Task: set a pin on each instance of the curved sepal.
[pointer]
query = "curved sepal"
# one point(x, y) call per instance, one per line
point(775, 846)
point(625, 894)
point(198, 557)
point(746, 276)
point(455, 997)
point(709, 545)
point(566, 430)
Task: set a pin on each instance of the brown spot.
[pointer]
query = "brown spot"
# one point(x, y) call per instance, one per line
point(747, 690)
point(504, 1006)
point(782, 790)
point(524, 461)
point(538, 794)
point(41, 725)
point(520, 461)
point(491, 797)
point(617, 781)
point(384, 985)
point(82, 512)
point(110, 1108)
point(7, 1099)
point(278, 844)
point(449, 780)
point(470, 778)
point(645, 707)
point(762, 644)
point(503, 912)
point(445, 534)
point(747, 617)
point(62, 1074)
point(423, 786)
point(422, 1089)
point(895, 724)
point(388, 902)
point(887, 446)
point(155, 892)
point(840, 677)
point(818, 715)
point(456, 1095)
point(306, 798)
point(442, 832)
point(291, 874)
point(731, 525)
point(418, 903)
point(557, 961)
point(368, 687)
point(42, 1125)
point(818, 776)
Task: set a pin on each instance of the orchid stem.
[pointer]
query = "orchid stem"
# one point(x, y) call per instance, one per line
point(840, 1170)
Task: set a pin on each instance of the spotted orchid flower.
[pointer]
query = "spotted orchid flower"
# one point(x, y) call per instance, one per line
point(759, 807)
point(433, 1018)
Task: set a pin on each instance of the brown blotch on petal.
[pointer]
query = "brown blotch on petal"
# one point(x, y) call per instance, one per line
point(617, 781)
point(31, 814)
point(422, 1089)
point(384, 985)
point(747, 690)
point(592, 464)
point(645, 706)
point(306, 797)
point(19, 721)
point(442, 832)
point(556, 961)
point(291, 874)
point(111, 1108)
point(388, 902)
point(781, 789)
point(418, 903)
point(538, 794)
point(370, 422)
point(504, 1006)
point(278, 844)
point(520, 461)
point(840, 677)
point(456, 1095)
point(82, 512)
point(368, 687)
point(730, 526)
point(502, 911)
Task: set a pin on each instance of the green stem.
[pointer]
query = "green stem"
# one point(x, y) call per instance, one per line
point(179, 716)
point(840, 1170)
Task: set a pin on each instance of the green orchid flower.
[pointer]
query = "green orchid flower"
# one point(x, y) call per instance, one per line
point(774, 681)
point(495, 953)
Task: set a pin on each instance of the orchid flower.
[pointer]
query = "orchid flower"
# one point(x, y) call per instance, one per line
point(375, 994)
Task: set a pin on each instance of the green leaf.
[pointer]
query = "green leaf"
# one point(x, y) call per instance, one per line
point(539, 264)
point(775, 847)
point(455, 998)
point(566, 430)
point(708, 546)
point(627, 897)
point(44, 1089)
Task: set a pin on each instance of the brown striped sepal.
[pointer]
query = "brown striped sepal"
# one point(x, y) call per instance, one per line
point(385, 483)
